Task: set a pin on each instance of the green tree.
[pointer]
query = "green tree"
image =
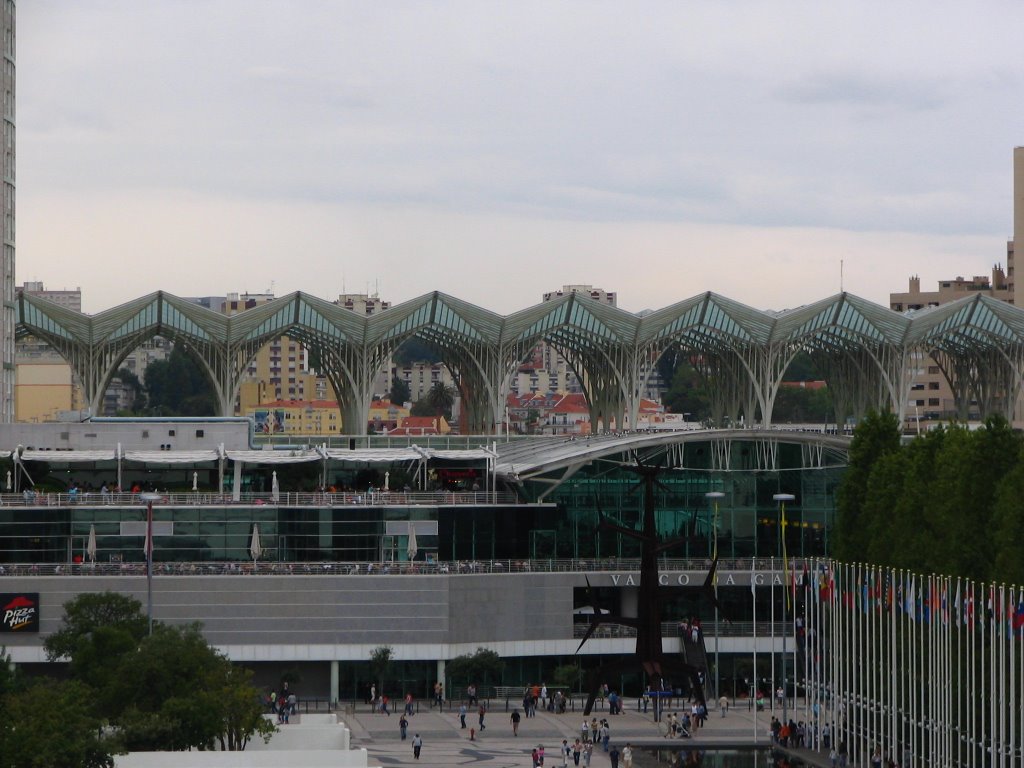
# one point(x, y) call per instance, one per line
point(483, 667)
point(97, 630)
point(802, 406)
point(131, 381)
point(51, 725)
point(437, 402)
point(175, 692)
point(415, 350)
point(178, 386)
point(399, 393)
point(165, 691)
point(885, 489)
point(688, 393)
point(381, 665)
point(803, 368)
point(912, 531)
point(1008, 526)
point(568, 677)
point(876, 436)
point(968, 470)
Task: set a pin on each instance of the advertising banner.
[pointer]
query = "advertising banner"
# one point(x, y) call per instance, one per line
point(19, 611)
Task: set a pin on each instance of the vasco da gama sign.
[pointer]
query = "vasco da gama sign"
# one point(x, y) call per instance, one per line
point(20, 612)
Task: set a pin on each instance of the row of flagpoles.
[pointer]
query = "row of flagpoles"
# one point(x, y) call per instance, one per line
point(926, 670)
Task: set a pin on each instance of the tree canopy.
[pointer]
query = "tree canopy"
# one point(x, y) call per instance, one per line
point(178, 386)
point(166, 691)
point(482, 667)
point(950, 501)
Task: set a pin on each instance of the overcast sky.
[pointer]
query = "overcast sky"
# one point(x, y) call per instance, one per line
point(495, 151)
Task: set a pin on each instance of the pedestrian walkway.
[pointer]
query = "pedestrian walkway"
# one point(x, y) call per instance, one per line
point(446, 744)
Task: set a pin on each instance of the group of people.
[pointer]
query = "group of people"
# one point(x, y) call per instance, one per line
point(283, 704)
point(594, 732)
point(678, 728)
point(689, 630)
point(581, 751)
point(789, 734)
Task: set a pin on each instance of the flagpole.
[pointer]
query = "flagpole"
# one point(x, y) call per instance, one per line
point(715, 496)
point(149, 498)
point(782, 498)
point(753, 596)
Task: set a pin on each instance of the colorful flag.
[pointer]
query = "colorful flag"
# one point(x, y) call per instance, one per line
point(1018, 615)
point(911, 604)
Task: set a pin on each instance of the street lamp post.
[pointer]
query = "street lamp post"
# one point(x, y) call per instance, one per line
point(782, 498)
point(714, 497)
point(149, 498)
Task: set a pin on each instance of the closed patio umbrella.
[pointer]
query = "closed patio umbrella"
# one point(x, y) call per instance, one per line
point(255, 548)
point(412, 548)
point(90, 548)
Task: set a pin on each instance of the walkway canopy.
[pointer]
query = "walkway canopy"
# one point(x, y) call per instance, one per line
point(868, 352)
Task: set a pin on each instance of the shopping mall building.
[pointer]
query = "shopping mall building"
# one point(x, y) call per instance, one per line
point(308, 557)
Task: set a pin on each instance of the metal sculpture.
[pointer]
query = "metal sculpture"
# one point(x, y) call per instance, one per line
point(651, 657)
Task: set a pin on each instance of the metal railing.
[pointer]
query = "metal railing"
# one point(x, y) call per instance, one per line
point(379, 568)
point(669, 629)
point(375, 498)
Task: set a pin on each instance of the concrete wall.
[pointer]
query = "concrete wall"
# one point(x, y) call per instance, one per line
point(275, 618)
point(132, 435)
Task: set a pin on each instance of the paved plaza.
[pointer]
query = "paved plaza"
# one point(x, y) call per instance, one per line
point(446, 744)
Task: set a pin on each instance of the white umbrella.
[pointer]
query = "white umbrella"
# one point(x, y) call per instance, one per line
point(412, 548)
point(90, 548)
point(195, 481)
point(255, 549)
point(275, 489)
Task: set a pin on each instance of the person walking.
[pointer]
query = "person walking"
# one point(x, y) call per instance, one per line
point(614, 756)
point(403, 726)
point(462, 715)
point(417, 745)
point(481, 713)
point(566, 749)
point(723, 704)
point(627, 756)
point(515, 722)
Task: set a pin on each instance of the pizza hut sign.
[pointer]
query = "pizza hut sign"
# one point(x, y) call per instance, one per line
point(20, 612)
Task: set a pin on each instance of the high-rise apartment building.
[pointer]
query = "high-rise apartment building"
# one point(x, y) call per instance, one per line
point(931, 397)
point(280, 371)
point(45, 386)
point(1018, 214)
point(64, 298)
point(546, 370)
point(7, 255)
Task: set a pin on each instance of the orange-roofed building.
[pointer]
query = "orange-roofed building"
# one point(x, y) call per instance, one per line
point(570, 416)
point(413, 426)
point(385, 415)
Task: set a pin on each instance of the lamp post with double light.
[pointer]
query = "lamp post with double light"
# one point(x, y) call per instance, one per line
point(714, 497)
point(149, 498)
point(782, 498)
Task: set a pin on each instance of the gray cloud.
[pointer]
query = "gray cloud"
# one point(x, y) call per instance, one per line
point(857, 117)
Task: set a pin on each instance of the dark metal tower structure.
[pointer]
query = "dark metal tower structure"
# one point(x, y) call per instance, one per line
point(650, 656)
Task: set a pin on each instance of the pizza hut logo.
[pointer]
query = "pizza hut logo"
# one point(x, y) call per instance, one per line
point(20, 613)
